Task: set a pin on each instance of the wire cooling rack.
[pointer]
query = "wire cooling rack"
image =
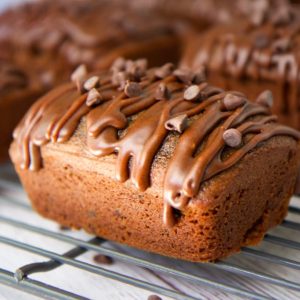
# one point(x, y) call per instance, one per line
point(270, 271)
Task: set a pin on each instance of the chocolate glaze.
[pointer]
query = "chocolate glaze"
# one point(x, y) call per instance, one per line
point(134, 129)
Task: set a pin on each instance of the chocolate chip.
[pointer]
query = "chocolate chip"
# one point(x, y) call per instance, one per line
point(232, 137)
point(79, 74)
point(281, 45)
point(178, 123)
point(164, 71)
point(162, 92)
point(192, 93)
point(64, 228)
point(103, 259)
point(92, 82)
point(142, 63)
point(93, 97)
point(154, 297)
point(282, 16)
point(199, 75)
point(210, 91)
point(232, 101)
point(132, 89)
point(184, 75)
point(265, 99)
point(261, 41)
point(118, 64)
point(119, 78)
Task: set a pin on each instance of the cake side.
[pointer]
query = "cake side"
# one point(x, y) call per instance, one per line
point(232, 210)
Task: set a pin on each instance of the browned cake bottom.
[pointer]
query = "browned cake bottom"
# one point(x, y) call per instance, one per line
point(232, 210)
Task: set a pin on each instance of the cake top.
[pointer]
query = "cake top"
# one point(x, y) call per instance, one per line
point(130, 111)
point(263, 45)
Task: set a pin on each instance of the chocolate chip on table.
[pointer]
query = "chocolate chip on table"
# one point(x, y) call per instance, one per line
point(154, 297)
point(93, 97)
point(232, 137)
point(232, 101)
point(164, 71)
point(64, 228)
point(103, 259)
point(178, 123)
point(91, 83)
point(192, 93)
point(132, 89)
point(184, 75)
point(265, 98)
point(162, 92)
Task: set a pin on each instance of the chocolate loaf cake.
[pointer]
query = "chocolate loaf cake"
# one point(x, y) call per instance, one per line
point(257, 54)
point(48, 39)
point(157, 159)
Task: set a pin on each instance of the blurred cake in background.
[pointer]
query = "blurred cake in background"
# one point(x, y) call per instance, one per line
point(257, 54)
point(47, 40)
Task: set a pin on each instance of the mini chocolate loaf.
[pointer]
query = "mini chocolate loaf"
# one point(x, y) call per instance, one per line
point(48, 39)
point(157, 159)
point(257, 54)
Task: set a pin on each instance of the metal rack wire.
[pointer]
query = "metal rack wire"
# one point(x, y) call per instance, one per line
point(20, 279)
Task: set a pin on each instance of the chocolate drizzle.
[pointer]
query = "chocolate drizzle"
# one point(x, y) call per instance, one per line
point(134, 129)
